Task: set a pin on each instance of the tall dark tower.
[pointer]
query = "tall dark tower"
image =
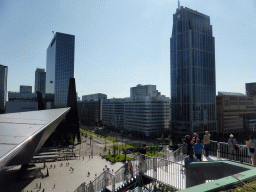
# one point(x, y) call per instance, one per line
point(72, 120)
point(193, 86)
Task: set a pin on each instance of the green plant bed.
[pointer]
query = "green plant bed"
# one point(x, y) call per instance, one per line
point(116, 158)
point(121, 147)
point(152, 154)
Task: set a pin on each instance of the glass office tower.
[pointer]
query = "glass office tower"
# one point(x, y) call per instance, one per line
point(60, 67)
point(193, 86)
point(40, 76)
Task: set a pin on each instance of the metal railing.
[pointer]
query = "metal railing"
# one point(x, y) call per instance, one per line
point(168, 170)
point(165, 171)
point(222, 150)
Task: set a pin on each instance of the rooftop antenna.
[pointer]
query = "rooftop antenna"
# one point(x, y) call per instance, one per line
point(179, 4)
point(53, 32)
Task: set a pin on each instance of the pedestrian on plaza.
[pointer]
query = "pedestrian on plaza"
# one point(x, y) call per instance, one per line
point(251, 144)
point(189, 144)
point(190, 158)
point(40, 186)
point(206, 141)
point(232, 147)
point(198, 148)
point(54, 186)
point(36, 185)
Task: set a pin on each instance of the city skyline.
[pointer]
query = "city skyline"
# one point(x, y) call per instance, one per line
point(122, 44)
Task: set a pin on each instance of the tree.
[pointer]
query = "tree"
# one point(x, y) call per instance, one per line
point(157, 147)
point(150, 147)
point(162, 138)
point(169, 139)
point(86, 135)
point(91, 140)
point(71, 140)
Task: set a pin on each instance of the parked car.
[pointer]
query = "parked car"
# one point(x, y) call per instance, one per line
point(128, 152)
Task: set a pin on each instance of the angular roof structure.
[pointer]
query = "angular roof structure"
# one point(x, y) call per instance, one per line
point(23, 134)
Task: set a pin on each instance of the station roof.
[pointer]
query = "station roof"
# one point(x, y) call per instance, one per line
point(23, 134)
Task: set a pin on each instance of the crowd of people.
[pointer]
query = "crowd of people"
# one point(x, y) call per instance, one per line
point(192, 149)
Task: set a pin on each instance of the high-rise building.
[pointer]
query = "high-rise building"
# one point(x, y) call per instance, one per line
point(250, 89)
point(40, 76)
point(60, 67)
point(3, 87)
point(193, 86)
point(146, 113)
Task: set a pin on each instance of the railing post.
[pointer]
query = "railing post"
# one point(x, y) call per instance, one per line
point(113, 183)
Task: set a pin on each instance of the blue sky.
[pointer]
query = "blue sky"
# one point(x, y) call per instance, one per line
point(119, 44)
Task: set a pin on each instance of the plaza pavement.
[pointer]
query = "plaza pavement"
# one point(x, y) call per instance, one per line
point(66, 180)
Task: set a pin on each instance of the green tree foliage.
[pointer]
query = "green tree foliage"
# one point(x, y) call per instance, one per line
point(169, 139)
point(162, 138)
point(71, 140)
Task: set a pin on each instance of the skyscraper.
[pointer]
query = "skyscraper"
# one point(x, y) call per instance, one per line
point(60, 67)
point(40, 76)
point(193, 86)
point(3, 87)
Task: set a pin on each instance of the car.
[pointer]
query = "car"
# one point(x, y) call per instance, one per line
point(173, 147)
point(128, 152)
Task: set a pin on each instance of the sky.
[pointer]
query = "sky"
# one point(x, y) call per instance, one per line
point(122, 43)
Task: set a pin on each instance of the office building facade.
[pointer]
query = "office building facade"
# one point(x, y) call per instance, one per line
point(94, 97)
point(145, 114)
point(25, 89)
point(235, 112)
point(60, 67)
point(193, 86)
point(40, 77)
point(3, 87)
point(250, 89)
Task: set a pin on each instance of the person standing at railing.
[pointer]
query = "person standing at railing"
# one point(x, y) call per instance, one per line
point(190, 158)
point(183, 149)
point(143, 152)
point(189, 144)
point(206, 141)
point(232, 146)
point(198, 147)
point(194, 139)
point(251, 150)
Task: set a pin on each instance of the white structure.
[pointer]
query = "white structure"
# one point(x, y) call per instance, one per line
point(40, 76)
point(113, 113)
point(145, 112)
point(94, 97)
point(3, 86)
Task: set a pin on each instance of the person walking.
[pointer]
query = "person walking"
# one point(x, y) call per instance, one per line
point(251, 150)
point(232, 147)
point(206, 141)
point(198, 147)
